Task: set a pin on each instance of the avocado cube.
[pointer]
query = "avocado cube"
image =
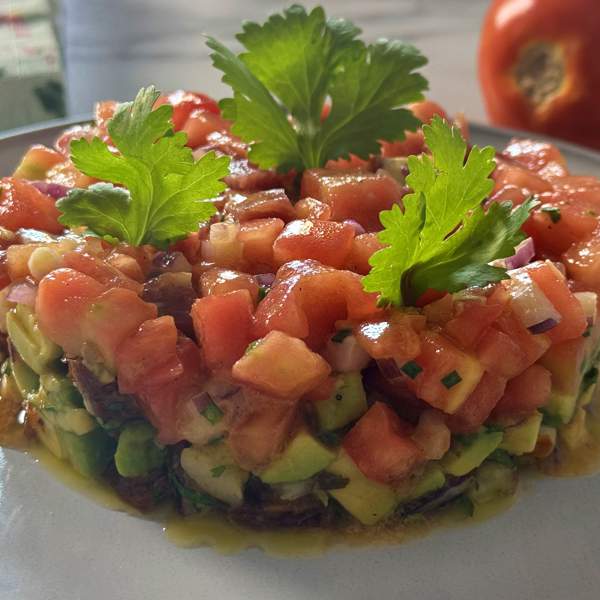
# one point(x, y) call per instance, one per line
point(137, 452)
point(433, 478)
point(347, 403)
point(27, 381)
point(493, 480)
point(89, 454)
point(576, 432)
point(465, 456)
point(35, 348)
point(214, 471)
point(522, 438)
point(303, 457)
point(561, 406)
point(367, 500)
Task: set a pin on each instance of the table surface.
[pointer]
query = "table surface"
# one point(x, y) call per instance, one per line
point(114, 47)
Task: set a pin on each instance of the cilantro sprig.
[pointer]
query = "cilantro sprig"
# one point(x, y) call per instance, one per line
point(444, 240)
point(296, 61)
point(162, 189)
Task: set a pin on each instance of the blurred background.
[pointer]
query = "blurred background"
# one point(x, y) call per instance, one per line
point(57, 57)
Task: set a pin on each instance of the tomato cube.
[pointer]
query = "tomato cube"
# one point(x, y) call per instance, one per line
point(352, 194)
point(261, 205)
point(381, 446)
point(500, 354)
point(583, 263)
point(473, 320)
point(36, 162)
point(309, 208)
point(326, 241)
point(223, 327)
point(532, 346)
point(200, 124)
point(363, 247)
point(258, 237)
point(218, 281)
point(396, 337)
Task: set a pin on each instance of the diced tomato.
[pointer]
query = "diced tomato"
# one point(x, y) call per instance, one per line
point(381, 446)
point(540, 157)
point(217, 281)
point(227, 143)
point(223, 327)
point(307, 299)
point(310, 208)
point(524, 394)
point(261, 426)
point(532, 346)
point(448, 375)
point(478, 406)
point(104, 111)
point(352, 195)
point(23, 205)
point(565, 361)
point(63, 299)
point(515, 183)
point(37, 161)
point(552, 283)
point(281, 365)
point(326, 241)
point(440, 311)
point(396, 337)
point(184, 103)
point(66, 174)
point(500, 354)
point(63, 143)
point(246, 177)
point(127, 266)
point(261, 205)
point(111, 318)
point(17, 260)
point(363, 247)
point(472, 322)
point(258, 237)
point(148, 357)
point(582, 261)
point(352, 163)
point(190, 247)
point(429, 296)
point(100, 270)
point(199, 124)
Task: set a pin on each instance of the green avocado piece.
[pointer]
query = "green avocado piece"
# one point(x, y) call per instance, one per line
point(35, 348)
point(493, 480)
point(27, 381)
point(346, 404)
point(137, 453)
point(59, 393)
point(464, 456)
point(367, 500)
point(522, 438)
point(432, 478)
point(562, 406)
point(89, 454)
point(213, 470)
point(303, 457)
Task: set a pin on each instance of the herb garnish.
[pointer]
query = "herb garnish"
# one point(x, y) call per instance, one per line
point(292, 65)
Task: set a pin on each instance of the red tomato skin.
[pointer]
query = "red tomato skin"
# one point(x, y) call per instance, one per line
point(22, 205)
point(223, 327)
point(478, 406)
point(397, 337)
point(63, 298)
point(218, 281)
point(200, 124)
point(261, 205)
point(310, 208)
point(326, 241)
point(184, 102)
point(524, 394)
point(554, 286)
point(539, 157)
point(381, 446)
point(356, 195)
point(511, 27)
point(582, 261)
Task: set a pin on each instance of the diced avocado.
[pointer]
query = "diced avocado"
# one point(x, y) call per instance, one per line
point(26, 379)
point(137, 452)
point(367, 500)
point(89, 454)
point(35, 348)
point(48, 434)
point(75, 420)
point(466, 455)
point(303, 457)
point(433, 478)
point(347, 402)
point(522, 438)
point(59, 393)
point(492, 480)
point(213, 470)
point(575, 433)
point(561, 406)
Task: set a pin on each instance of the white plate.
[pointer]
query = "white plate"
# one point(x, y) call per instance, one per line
point(57, 544)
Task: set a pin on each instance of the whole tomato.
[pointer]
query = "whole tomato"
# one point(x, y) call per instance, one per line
point(539, 67)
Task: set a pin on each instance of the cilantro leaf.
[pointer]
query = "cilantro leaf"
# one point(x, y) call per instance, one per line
point(164, 189)
point(292, 64)
point(444, 240)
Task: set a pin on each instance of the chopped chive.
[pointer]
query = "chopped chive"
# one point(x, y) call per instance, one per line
point(212, 413)
point(251, 346)
point(411, 369)
point(553, 212)
point(262, 292)
point(218, 471)
point(341, 335)
point(451, 379)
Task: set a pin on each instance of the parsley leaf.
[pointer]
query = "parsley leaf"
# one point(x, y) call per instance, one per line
point(164, 191)
point(292, 64)
point(444, 240)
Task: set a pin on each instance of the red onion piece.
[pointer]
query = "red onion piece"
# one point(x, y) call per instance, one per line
point(265, 279)
point(358, 228)
point(524, 252)
point(543, 326)
point(389, 369)
point(23, 292)
point(54, 190)
point(346, 356)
